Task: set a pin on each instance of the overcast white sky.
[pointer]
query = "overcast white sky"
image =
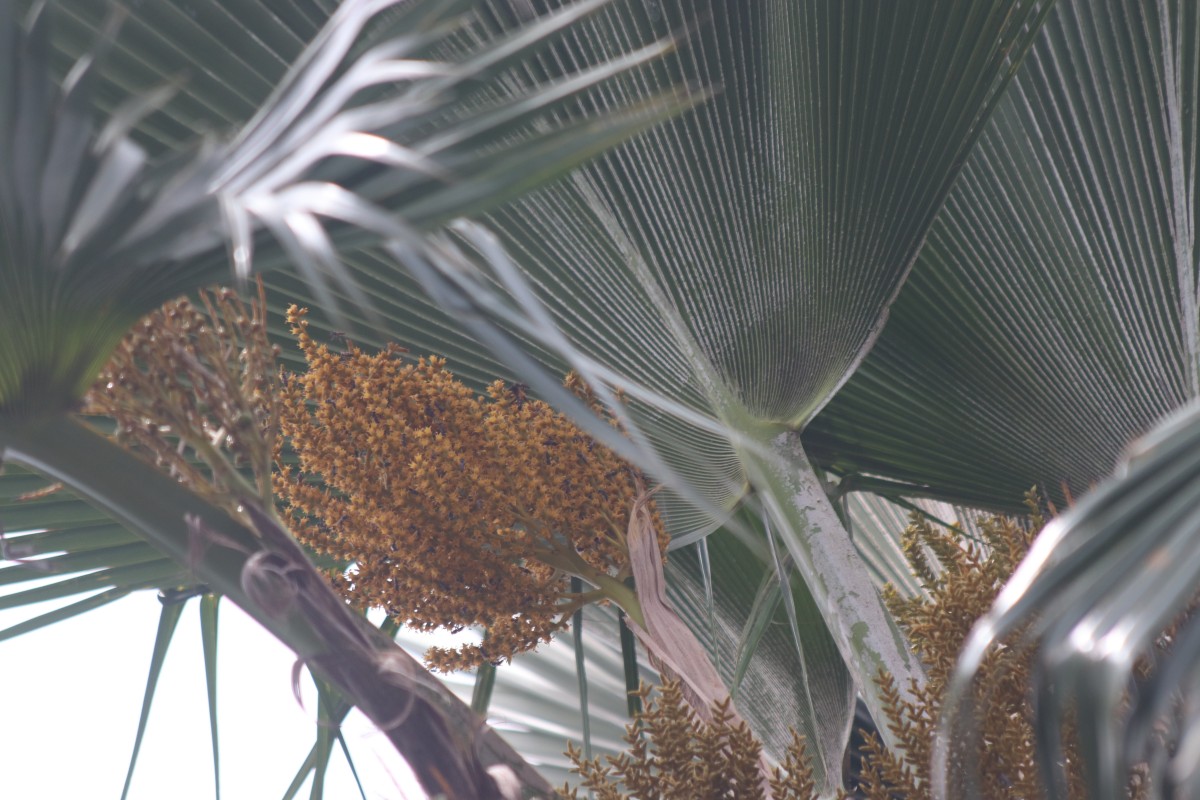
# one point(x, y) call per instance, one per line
point(72, 694)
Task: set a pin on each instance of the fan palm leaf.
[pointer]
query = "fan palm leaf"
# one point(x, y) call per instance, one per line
point(1059, 277)
point(728, 271)
point(97, 231)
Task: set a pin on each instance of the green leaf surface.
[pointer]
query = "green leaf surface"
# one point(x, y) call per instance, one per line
point(167, 621)
point(83, 561)
point(345, 748)
point(630, 666)
point(209, 606)
point(581, 673)
point(1051, 316)
point(50, 512)
point(481, 694)
point(72, 539)
point(326, 736)
point(15, 482)
point(306, 768)
point(535, 701)
point(66, 612)
point(157, 573)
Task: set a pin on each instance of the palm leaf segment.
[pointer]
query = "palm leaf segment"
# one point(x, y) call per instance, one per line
point(96, 231)
point(1058, 280)
point(728, 271)
point(101, 222)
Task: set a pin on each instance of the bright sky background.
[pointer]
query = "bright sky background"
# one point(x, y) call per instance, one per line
point(72, 694)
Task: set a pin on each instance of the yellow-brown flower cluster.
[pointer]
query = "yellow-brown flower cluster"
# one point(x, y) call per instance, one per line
point(193, 389)
point(675, 754)
point(455, 510)
point(962, 580)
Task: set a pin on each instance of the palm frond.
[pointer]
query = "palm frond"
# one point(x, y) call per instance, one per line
point(728, 270)
point(1099, 587)
point(100, 223)
point(168, 619)
point(96, 232)
point(1057, 281)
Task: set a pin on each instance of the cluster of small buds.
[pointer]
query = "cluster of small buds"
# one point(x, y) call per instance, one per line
point(194, 390)
point(674, 753)
point(455, 510)
point(961, 578)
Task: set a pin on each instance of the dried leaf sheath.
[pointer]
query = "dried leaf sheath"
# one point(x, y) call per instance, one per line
point(671, 644)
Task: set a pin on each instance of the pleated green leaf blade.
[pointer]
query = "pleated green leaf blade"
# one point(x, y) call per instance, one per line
point(1051, 316)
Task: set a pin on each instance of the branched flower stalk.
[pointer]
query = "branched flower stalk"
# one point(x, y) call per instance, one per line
point(455, 510)
point(675, 753)
point(961, 580)
point(194, 390)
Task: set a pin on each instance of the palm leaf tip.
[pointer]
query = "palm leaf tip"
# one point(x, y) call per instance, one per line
point(371, 127)
point(93, 231)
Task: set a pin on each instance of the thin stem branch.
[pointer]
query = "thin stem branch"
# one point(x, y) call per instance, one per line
point(268, 575)
point(567, 560)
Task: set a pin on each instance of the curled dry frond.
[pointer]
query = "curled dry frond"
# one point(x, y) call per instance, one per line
point(454, 509)
point(194, 389)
